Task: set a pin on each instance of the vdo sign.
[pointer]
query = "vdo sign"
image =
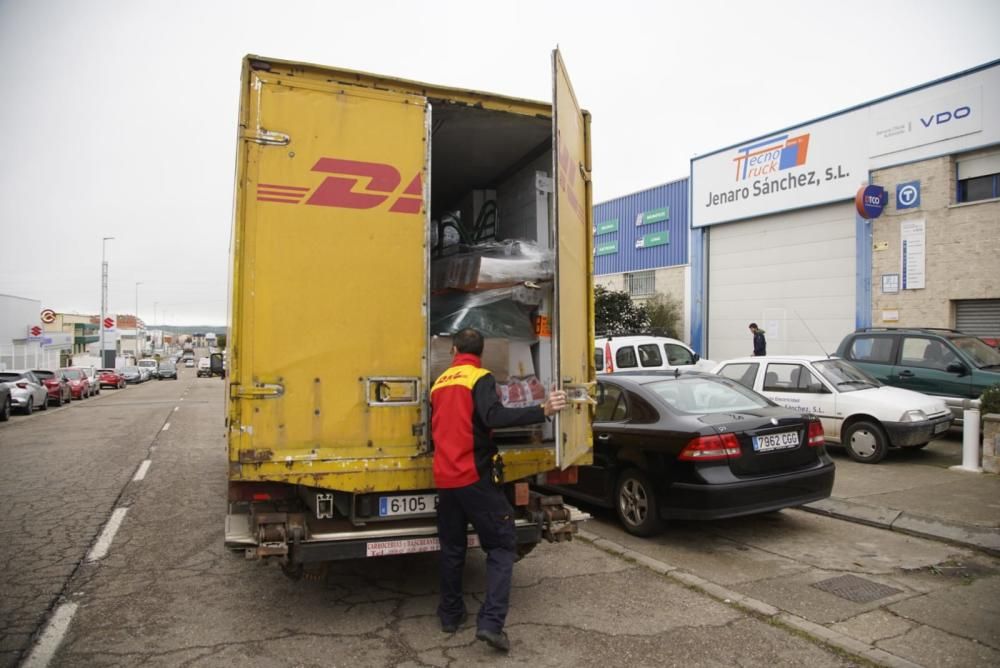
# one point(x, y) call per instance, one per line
point(943, 117)
point(870, 201)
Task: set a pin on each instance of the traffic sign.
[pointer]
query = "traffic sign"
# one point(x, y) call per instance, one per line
point(48, 316)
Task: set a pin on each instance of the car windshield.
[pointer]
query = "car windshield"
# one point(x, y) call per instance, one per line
point(976, 350)
point(73, 374)
point(700, 396)
point(167, 367)
point(44, 375)
point(845, 376)
point(147, 362)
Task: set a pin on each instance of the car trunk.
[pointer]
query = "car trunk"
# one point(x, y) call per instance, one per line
point(772, 429)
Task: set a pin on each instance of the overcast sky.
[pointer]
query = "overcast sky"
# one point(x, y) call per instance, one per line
point(119, 117)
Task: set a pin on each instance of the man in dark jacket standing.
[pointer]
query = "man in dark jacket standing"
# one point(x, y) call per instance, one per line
point(759, 342)
point(465, 408)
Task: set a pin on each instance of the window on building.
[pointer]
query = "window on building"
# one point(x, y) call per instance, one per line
point(640, 283)
point(978, 178)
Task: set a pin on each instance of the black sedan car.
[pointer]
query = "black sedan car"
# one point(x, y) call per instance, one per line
point(697, 446)
point(166, 370)
point(132, 375)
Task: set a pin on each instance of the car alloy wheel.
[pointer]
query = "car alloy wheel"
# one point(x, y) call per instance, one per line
point(866, 442)
point(29, 407)
point(45, 404)
point(636, 503)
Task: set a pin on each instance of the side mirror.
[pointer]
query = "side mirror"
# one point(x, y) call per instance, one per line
point(695, 358)
point(957, 367)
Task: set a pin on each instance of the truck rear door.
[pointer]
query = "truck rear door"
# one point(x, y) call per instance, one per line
point(329, 302)
point(574, 328)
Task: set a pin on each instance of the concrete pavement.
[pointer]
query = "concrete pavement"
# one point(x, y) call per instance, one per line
point(916, 492)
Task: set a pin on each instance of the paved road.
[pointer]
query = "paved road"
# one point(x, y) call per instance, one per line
point(167, 593)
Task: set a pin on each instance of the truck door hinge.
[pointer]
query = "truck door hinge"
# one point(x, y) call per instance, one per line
point(268, 138)
point(263, 391)
point(543, 182)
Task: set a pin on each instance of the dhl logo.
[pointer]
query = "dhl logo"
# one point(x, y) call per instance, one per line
point(345, 188)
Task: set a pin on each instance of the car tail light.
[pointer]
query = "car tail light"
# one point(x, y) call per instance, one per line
point(708, 448)
point(23, 386)
point(816, 435)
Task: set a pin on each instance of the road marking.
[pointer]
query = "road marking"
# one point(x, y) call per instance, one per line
point(51, 638)
point(176, 408)
point(141, 471)
point(100, 549)
point(166, 426)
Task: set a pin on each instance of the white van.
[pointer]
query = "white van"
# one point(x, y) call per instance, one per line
point(640, 353)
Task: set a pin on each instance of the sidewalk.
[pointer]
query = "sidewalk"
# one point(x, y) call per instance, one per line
point(915, 492)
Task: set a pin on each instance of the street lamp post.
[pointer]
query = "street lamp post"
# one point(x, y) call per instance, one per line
point(137, 355)
point(104, 299)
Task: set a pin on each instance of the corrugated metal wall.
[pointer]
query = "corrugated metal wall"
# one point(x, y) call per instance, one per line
point(664, 235)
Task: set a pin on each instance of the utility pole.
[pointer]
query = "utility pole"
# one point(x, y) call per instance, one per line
point(104, 300)
point(137, 284)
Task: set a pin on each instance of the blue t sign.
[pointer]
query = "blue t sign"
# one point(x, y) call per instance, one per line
point(908, 195)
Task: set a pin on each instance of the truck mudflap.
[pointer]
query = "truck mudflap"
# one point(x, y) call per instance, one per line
point(287, 538)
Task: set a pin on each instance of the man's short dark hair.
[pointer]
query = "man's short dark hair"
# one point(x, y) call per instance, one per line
point(468, 341)
point(753, 325)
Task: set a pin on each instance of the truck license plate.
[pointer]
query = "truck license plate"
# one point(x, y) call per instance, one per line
point(410, 504)
point(787, 439)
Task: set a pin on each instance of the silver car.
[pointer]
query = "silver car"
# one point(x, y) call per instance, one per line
point(26, 391)
point(95, 381)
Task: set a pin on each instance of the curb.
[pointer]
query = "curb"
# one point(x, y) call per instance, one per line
point(966, 535)
point(760, 609)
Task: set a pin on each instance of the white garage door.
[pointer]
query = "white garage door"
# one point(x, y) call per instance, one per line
point(779, 271)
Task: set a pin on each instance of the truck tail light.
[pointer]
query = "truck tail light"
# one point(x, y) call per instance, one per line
point(816, 436)
point(709, 448)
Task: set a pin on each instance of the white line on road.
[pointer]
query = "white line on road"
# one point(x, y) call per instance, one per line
point(166, 426)
point(100, 549)
point(50, 639)
point(143, 468)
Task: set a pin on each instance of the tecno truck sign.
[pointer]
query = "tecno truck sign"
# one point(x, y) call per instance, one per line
point(801, 167)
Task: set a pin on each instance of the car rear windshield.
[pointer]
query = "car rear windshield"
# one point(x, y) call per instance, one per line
point(73, 374)
point(105, 371)
point(7, 377)
point(44, 375)
point(981, 354)
point(845, 376)
point(700, 396)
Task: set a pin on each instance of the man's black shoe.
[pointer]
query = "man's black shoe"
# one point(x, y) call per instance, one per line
point(454, 626)
point(498, 641)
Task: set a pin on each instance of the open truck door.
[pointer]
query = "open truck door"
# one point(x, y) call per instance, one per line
point(574, 293)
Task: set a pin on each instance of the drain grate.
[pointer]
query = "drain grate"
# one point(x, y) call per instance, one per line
point(855, 589)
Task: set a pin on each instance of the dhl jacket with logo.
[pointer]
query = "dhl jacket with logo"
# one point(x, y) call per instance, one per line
point(464, 409)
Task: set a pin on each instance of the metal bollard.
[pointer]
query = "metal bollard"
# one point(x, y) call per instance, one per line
point(970, 441)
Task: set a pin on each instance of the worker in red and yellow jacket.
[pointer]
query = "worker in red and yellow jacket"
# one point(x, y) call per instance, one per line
point(465, 408)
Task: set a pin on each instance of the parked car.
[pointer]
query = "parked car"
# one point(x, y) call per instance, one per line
point(95, 383)
point(132, 375)
point(856, 410)
point(166, 370)
point(941, 362)
point(56, 384)
point(625, 353)
point(189, 363)
point(204, 367)
point(5, 402)
point(26, 391)
point(144, 374)
point(79, 383)
point(697, 446)
point(149, 364)
point(110, 378)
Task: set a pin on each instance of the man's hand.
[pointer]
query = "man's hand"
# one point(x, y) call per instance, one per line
point(555, 402)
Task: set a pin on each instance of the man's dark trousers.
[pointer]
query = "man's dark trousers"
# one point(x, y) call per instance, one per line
point(483, 505)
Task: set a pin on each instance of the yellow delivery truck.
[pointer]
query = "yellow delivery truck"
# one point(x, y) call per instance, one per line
point(373, 217)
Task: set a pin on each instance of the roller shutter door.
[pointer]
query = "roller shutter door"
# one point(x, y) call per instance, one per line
point(778, 271)
point(980, 317)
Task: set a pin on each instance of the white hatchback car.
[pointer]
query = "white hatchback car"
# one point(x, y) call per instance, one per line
point(857, 411)
point(645, 353)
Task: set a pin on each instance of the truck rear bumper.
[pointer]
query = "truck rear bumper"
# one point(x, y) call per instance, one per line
point(362, 542)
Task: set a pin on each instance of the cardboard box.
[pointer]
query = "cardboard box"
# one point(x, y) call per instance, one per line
point(502, 357)
point(475, 271)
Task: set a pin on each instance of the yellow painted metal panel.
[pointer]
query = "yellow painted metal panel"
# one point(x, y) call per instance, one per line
point(332, 282)
point(575, 297)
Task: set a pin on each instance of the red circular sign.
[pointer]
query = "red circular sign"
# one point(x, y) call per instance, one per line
point(48, 316)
